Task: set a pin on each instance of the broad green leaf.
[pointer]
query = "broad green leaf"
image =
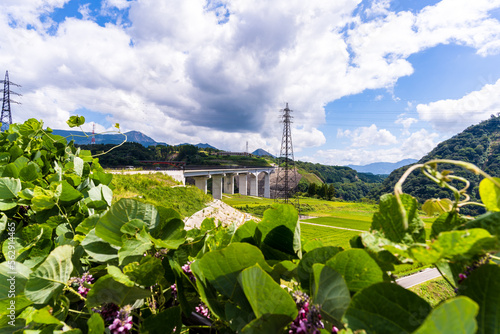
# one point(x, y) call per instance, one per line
point(3, 222)
point(30, 173)
point(13, 278)
point(246, 233)
point(99, 249)
point(7, 204)
point(75, 121)
point(267, 324)
point(437, 205)
point(258, 286)
point(78, 166)
point(100, 193)
point(317, 255)
point(169, 234)
point(357, 267)
point(9, 188)
point(446, 222)
point(43, 316)
point(490, 221)
point(95, 324)
point(386, 308)
point(51, 276)
point(456, 316)
point(43, 199)
point(330, 291)
point(133, 227)
point(107, 290)
point(147, 273)
point(133, 249)
point(454, 245)
point(164, 322)
point(42, 235)
point(388, 220)
point(280, 230)
point(483, 287)
point(100, 177)
point(108, 227)
point(87, 224)
point(69, 195)
point(208, 224)
point(118, 276)
point(490, 194)
point(312, 244)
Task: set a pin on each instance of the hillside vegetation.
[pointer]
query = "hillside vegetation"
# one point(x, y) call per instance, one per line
point(161, 191)
point(478, 144)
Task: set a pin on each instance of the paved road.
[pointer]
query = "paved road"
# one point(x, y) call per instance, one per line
point(420, 277)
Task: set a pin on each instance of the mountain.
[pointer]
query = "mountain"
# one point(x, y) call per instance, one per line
point(478, 144)
point(200, 145)
point(132, 136)
point(381, 167)
point(260, 152)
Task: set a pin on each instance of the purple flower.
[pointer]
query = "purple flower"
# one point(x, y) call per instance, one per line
point(79, 281)
point(308, 321)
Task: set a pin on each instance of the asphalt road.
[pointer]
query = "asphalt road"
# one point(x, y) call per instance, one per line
point(420, 277)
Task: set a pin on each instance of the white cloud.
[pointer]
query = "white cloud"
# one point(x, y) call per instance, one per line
point(368, 136)
point(415, 146)
point(455, 115)
point(406, 122)
point(178, 73)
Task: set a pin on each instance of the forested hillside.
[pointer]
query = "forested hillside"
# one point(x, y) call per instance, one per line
point(478, 144)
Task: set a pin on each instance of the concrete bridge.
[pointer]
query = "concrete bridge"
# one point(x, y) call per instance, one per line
point(223, 179)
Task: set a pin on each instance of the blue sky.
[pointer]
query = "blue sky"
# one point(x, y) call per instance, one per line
point(369, 81)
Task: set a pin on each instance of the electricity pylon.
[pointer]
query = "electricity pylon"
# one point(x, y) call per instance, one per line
point(6, 118)
point(286, 179)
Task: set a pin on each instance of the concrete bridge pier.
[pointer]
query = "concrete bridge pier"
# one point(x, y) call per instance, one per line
point(201, 182)
point(217, 186)
point(267, 185)
point(229, 183)
point(242, 183)
point(254, 178)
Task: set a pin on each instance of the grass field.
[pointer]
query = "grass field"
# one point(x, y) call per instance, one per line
point(356, 224)
point(434, 291)
point(327, 235)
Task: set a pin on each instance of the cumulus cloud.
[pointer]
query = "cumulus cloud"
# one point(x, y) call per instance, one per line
point(455, 115)
point(368, 136)
point(414, 146)
point(220, 71)
point(406, 122)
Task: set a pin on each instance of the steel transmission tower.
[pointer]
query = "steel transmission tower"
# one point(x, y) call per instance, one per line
point(6, 118)
point(286, 179)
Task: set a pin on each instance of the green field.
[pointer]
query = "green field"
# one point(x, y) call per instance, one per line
point(327, 235)
point(356, 224)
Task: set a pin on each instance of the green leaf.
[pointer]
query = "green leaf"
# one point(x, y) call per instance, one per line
point(483, 287)
point(258, 286)
point(169, 234)
point(147, 273)
point(43, 199)
point(490, 221)
point(490, 194)
point(99, 249)
point(280, 230)
point(133, 249)
point(454, 245)
point(118, 276)
point(437, 205)
point(446, 222)
point(386, 308)
point(389, 221)
point(164, 322)
point(107, 290)
point(87, 224)
point(43, 316)
point(75, 121)
point(9, 188)
point(357, 267)
point(133, 227)
point(69, 195)
point(13, 278)
point(317, 255)
point(51, 276)
point(246, 233)
point(108, 227)
point(330, 291)
point(30, 173)
point(456, 316)
point(95, 324)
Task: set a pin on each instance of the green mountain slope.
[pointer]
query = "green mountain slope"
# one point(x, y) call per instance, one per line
point(478, 144)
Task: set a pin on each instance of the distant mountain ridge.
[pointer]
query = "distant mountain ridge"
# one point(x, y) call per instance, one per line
point(382, 167)
point(260, 152)
point(132, 136)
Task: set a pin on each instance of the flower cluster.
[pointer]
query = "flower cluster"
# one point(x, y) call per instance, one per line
point(122, 323)
point(203, 310)
point(83, 290)
point(469, 269)
point(308, 320)
point(119, 319)
point(187, 270)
